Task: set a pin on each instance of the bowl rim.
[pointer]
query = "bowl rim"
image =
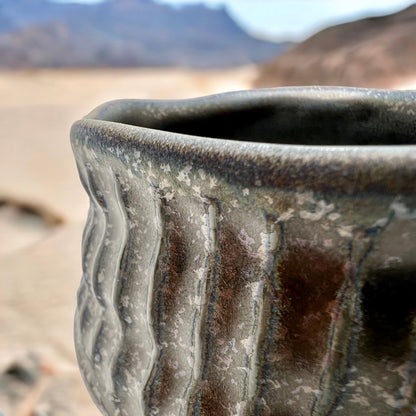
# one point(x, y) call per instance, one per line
point(370, 168)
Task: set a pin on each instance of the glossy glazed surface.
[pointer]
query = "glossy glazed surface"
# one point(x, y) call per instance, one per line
point(241, 277)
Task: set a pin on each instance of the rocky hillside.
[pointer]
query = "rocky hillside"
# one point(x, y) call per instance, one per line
point(371, 52)
point(41, 33)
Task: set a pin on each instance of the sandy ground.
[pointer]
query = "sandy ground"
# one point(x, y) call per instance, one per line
point(408, 84)
point(42, 213)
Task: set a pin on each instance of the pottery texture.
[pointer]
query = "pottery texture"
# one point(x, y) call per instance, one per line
point(232, 275)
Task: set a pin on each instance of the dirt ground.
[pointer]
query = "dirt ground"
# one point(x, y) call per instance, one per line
point(42, 213)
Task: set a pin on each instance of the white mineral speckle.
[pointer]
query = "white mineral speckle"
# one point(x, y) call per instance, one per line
point(321, 209)
point(334, 216)
point(246, 240)
point(197, 189)
point(345, 230)
point(183, 175)
point(356, 398)
point(212, 182)
point(402, 211)
point(165, 167)
point(202, 174)
point(382, 222)
point(269, 199)
point(303, 197)
point(287, 215)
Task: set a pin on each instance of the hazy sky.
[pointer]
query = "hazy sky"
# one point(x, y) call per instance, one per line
point(295, 19)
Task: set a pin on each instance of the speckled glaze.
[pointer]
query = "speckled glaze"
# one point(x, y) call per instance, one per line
point(250, 253)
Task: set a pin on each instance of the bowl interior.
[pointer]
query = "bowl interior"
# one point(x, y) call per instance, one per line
point(309, 123)
point(308, 116)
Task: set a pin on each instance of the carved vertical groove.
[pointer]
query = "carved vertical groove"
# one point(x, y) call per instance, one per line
point(154, 329)
point(89, 307)
point(103, 245)
point(125, 396)
point(105, 280)
point(160, 281)
point(346, 324)
point(266, 323)
point(132, 357)
point(273, 245)
point(205, 297)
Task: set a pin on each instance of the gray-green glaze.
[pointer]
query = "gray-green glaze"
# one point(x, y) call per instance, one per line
point(227, 273)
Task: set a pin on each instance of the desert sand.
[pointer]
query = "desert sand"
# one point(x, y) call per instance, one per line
point(407, 84)
point(42, 213)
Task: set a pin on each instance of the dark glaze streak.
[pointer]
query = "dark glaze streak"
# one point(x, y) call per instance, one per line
point(270, 310)
point(152, 299)
point(353, 283)
point(169, 271)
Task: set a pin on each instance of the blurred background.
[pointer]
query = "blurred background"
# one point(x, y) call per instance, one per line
point(60, 59)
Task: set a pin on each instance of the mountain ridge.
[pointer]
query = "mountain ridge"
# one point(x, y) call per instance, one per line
point(369, 52)
point(125, 33)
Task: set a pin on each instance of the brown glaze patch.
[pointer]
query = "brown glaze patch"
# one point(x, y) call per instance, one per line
point(235, 258)
point(213, 400)
point(310, 279)
point(165, 381)
point(169, 295)
point(173, 268)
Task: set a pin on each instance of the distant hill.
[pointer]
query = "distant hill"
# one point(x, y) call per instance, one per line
point(41, 33)
point(370, 52)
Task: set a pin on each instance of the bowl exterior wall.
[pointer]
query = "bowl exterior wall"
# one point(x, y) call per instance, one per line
point(205, 296)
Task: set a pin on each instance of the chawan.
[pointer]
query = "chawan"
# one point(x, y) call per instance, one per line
point(250, 253)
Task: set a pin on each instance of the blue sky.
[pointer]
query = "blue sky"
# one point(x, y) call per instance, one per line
point(294, 19)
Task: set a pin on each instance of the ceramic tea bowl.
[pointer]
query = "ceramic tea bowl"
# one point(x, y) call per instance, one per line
point(250, 253)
